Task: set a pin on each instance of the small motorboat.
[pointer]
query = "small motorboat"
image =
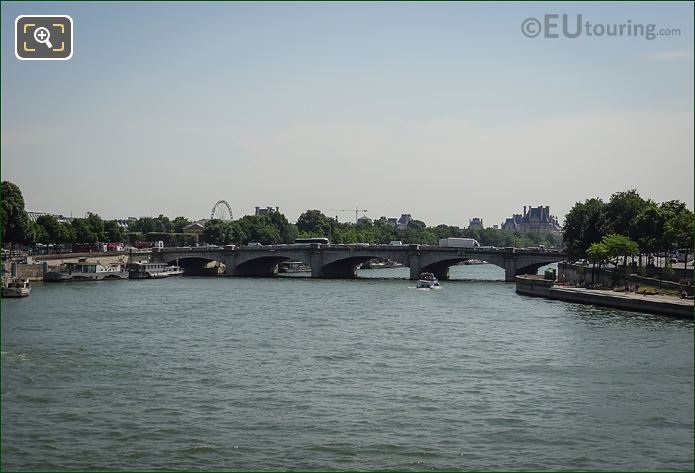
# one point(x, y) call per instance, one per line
point(15, 287)
point(427, 281)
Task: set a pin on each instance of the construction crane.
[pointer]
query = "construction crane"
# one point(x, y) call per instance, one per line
point(356, 210)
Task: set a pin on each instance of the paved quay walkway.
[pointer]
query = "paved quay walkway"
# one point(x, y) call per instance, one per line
point(671, 306)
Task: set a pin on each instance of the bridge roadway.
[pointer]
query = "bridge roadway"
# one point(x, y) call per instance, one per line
point(341, 261)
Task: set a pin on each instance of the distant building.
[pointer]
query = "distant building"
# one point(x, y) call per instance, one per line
point(476, 222)
point(35, 215)
point(496, 227)
point(533, 220)
point(363, 220)
point(266, 210)
point(403, 221)
point(393, 222)
point(124, 223)
point(196, 227)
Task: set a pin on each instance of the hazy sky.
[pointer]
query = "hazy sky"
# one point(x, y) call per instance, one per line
point(445, 111)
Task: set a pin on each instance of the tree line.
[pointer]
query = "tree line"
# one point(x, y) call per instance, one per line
point(627, 223)
point(18, 228)
point(273, 228)
point(650, 225)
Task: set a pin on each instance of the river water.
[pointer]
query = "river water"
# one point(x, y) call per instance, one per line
point(371, 374)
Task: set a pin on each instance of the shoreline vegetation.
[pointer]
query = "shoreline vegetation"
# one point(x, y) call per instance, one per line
point(625, 227)
point(267, 229)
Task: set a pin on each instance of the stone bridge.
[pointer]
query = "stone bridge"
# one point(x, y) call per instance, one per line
point(341, 261)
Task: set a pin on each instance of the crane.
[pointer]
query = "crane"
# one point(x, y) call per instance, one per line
point(356, 210)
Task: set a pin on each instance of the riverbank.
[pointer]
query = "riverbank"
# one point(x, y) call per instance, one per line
point(31, 267)
point(654, 304)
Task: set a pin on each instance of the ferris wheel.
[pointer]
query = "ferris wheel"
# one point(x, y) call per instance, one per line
point(221, 211)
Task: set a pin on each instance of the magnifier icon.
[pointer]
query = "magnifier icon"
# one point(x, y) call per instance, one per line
point(42, 35)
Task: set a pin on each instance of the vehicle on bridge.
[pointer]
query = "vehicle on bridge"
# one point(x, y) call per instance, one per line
point(306, 241)
point(459, 242)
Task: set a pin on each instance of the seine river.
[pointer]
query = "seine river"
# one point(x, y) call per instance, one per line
point(300, 374)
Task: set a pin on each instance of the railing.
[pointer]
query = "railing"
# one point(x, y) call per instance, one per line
point(375, 248)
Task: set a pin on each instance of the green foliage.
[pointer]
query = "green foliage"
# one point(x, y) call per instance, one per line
point(678, 230)
point(655, 227)
point(16, 225)
point(38, 234)
point(315, 223)
point(598, 253)
point(179, 223)
point(48, 229)
point(581, 227)
point(96, 225)
point(83, 231)
point(169, 239)
point(218, 232)
point(113, 231)
point(620, 213)
point(160, 224)
point(619, 245)
point(132, 237)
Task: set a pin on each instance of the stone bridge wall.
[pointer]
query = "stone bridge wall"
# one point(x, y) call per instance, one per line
point(341, 261)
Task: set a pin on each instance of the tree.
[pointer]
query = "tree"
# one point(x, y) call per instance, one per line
point(582, 227)
point(619, 245)
point(218, 232)
point(649, 228)
point(163, 224)
point(48, 229)
point(179, 223)
point(66, 234)
point(113, 231)
point(417, 224)
point(619, 214)
point(143, 225)
point(597, 253)
point(315, 223)
point(96, 226)
point(678, 232)
point(16, 226)
point(83, 231)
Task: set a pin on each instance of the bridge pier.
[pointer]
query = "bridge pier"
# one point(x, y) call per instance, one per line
point(415, 268)
point(509, 269)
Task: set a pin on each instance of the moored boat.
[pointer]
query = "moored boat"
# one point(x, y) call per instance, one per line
point(15, 287)
point(84, 271)
point(143, 270)
point(293, 267)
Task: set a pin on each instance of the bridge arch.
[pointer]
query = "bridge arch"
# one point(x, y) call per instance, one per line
point(197, 265)
point(263, 266)
point(344, 267)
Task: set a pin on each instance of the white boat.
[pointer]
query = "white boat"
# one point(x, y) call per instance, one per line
point(427, 281)
point(142, 270)
point(84, 271)
point(15, 287)
point(293, 267)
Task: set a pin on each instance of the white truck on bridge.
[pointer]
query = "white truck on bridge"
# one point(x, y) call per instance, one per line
point(459, 242)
